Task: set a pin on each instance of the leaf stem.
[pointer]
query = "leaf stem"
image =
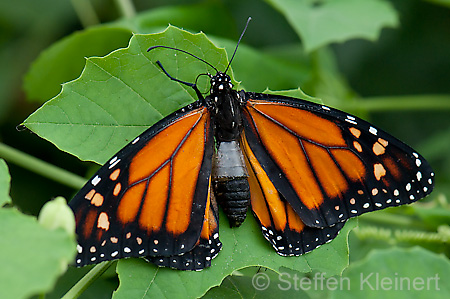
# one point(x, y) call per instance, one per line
point(40, 167)
point(87, 280)
point(85, 12)
point(126, 8)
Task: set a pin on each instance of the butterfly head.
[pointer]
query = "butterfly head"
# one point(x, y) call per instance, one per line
point(220, 83)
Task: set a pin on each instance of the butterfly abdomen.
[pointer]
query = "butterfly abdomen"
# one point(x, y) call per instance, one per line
point(230, 178)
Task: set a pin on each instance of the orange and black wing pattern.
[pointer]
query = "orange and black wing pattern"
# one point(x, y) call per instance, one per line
point(327, 165)
point(153, 198)
point(280, 224)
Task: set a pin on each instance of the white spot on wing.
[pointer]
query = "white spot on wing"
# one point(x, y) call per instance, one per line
point(373, 130)
point(96, 180)
point(113, 163)
point(419, 175)
point(418, 162)
point(408, 187)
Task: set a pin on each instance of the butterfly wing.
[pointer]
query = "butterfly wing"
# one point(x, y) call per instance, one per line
point(207, 247)
point(280, 224)
point(151, 198)
point(329, 165)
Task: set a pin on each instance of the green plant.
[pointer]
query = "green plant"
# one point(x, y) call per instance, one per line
point(92, 110)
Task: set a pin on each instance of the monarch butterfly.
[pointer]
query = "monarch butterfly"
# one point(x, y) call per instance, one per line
point(303, 168)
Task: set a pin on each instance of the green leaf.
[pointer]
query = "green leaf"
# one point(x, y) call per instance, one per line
point(397, 273)
point(65, 59)
point(242, 247)
point(212, 13)
point(5, 180)
point(295, 93)
point(319, 23)
point(32, 257)
point(119, 96)
point(291, 66)
point(255, 282)
point(45, 77)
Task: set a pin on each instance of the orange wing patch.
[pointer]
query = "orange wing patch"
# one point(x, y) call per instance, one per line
point(280, 224)
point(130, 203)
point(282, 145)
point(210, 225)
point(302, 122)
point(162, 147)
point(163, 176)
point(327, 172)
point(265, 200)
point(187, 163)
point(154, 207)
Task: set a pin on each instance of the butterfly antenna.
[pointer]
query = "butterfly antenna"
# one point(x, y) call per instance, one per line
point(185, 52)
point(239, 41)
point(193, 85)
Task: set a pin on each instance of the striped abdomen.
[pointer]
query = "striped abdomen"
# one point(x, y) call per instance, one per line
point(231, 186)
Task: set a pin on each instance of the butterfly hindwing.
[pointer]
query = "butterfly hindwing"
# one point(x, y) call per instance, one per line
point(280, 224)
point(207, 247)
point(150, 199)
point(329, 165)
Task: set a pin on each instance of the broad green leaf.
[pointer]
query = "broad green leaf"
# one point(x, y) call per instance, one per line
point(280, 68)
point(65, 59)
point(397, 273)
point(4, 183)
point(31, 256)
point(212, 13)
point(119, 96)
point(242, 247)
point(295, 93)
point(319, 23)
point(256, 282)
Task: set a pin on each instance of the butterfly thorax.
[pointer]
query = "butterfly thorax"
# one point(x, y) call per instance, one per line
point(230, 176)
point(225, 108)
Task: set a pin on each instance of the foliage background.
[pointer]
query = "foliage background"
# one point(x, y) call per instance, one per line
point(399, 81)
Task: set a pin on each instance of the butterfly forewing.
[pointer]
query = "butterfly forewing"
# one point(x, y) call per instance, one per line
point(150, 199)
point(329, 165)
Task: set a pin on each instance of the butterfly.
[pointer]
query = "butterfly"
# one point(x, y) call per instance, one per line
point(302, 168)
